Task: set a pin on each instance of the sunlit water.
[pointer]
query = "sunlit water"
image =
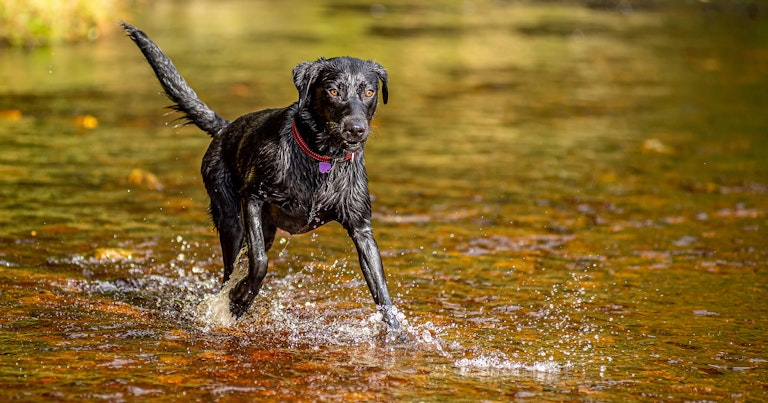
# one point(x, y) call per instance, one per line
point(570, 203)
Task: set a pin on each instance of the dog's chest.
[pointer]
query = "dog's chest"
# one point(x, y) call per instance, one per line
point(305, 205)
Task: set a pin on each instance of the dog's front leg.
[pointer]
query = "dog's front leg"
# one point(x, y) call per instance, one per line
point(373, 271)
point(242, 295)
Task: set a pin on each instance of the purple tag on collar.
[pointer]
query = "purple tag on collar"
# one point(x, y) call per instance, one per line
point(324, 167)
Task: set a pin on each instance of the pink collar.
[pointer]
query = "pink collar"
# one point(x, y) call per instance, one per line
point(304, 147)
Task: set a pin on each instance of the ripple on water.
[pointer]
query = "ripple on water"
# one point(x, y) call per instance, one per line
point(499, 362)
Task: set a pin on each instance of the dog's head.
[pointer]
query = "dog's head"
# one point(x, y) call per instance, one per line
point(341, 95)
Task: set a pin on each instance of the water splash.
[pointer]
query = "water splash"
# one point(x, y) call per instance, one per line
point(298, 321)
point(498, 362)
point(214, 311)
point(292, 311)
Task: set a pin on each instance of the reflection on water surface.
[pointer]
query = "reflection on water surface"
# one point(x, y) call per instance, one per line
point(570, 203)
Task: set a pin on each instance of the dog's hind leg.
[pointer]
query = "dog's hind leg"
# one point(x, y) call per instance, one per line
point(225, 211)
point(256, 235)
point(231, 239)
point(230, 227)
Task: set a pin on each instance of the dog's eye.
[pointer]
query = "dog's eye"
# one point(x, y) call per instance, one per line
point(368, 93)
point(333, 92)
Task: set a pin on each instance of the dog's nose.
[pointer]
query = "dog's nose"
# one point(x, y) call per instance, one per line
point(355, 129)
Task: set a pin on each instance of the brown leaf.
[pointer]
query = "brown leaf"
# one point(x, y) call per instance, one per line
point(10, 114)
point(86, 121)
point(145, 179)
point(113, 254)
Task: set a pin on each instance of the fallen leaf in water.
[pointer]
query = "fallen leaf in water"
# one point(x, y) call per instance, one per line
point(113, 254)
point(607, 177)
point(656, 146)
point(59, 229)
point(10, 114)
point(145, 179)
point(178, 204)
point(710, 64)
point(86, 121)
point(240, 90)
point(172, 379)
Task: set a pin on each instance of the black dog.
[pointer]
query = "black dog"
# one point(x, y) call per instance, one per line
point(294, 168)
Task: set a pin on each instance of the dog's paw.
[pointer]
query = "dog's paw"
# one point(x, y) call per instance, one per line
point(391, 321)
point(240, 298)
point(391, 316)
point(397, 336)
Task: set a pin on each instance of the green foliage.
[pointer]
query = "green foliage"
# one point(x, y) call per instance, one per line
point(31, 23)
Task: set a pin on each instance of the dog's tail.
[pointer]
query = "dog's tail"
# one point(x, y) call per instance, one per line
point(184, 97)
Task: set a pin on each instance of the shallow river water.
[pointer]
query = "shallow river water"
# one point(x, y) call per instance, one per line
point(570, 202)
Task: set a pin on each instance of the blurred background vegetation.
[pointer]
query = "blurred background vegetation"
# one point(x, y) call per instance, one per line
point(31, 23)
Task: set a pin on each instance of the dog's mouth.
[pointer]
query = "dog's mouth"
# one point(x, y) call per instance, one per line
point(353, 145)
point(349, 140)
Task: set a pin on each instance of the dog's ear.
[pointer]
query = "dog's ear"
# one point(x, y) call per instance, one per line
point(304, 75)
point(381, 72)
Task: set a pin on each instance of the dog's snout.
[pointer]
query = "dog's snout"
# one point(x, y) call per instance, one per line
point(356, 129)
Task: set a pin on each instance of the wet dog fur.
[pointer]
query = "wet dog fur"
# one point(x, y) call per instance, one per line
point(259, 179)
